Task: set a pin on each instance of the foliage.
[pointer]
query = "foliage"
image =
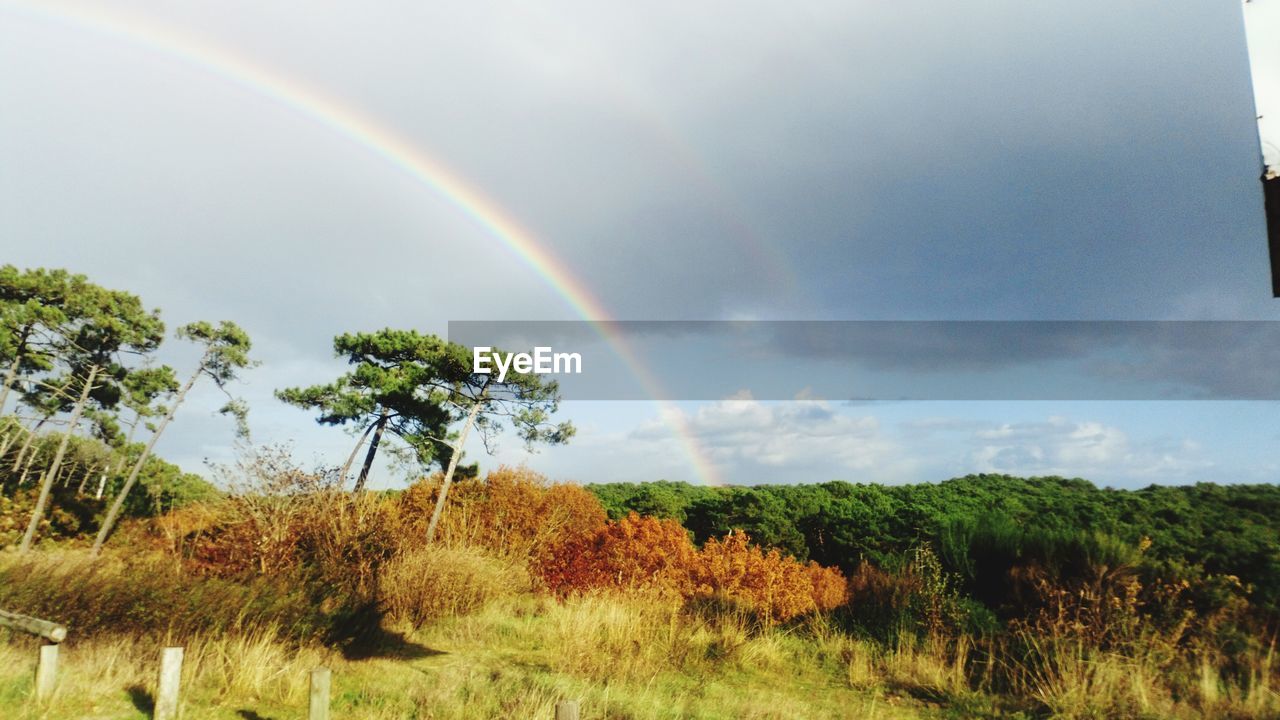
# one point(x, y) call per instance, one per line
point(433, 582)
point(279, 518)
point(75, 508)
point(511, 512)
point(384, 390)
point(765, 580)
point(634, 553)
point(150, 596)
point(1080, 624)
point(983, 525)
point(648, 554)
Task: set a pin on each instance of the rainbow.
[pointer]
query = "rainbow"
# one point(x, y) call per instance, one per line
point(352, 125)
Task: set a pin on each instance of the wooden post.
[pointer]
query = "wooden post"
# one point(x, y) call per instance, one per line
point(567, 710)
point(46, 672)
point(170, 680)
point(48, 630)
point(319, 694)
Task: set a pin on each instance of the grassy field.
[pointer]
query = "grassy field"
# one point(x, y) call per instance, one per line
point(530, 596)
point(622, 658)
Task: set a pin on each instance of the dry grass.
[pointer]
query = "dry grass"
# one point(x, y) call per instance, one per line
point(428, 583)
point(632, 657)
point(482, 644)
point(150, 595)
point(514, 658)
point(629, 656)
point(110, 678)
point(1074, 680)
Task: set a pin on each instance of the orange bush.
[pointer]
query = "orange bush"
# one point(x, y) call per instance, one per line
point(830, 589)
point(646, 553)
point(559, 531)
point(771, 583)
point(633, 553)
point(513, 512)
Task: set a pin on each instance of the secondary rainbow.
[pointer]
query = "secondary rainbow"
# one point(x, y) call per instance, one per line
point(362, 129)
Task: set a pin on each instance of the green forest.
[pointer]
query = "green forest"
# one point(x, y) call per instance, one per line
point(982, 524)
point(1220, 543)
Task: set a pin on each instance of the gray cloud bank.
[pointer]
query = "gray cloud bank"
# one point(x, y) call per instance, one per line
point(906, 360)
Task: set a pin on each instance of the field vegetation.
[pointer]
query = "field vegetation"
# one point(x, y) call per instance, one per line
point(472, 594)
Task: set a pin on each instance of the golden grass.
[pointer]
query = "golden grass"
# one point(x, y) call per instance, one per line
point(114, 678)
point(482, 645)
point(433, 582)
point(622, 657)
point(1074, 680)
point(631, 657)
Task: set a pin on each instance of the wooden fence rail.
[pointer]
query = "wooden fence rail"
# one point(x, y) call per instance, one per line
point(50, 631)
point(47, 665)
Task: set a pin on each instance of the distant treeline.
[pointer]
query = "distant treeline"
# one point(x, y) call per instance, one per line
point(982, 526)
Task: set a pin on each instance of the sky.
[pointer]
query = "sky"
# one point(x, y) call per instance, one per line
point(717, 161)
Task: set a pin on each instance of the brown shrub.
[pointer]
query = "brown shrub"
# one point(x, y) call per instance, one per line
point(830, 589)
point(636, 552)
point(513, 512)
point(432, 582)
point(283, 520)
point(644, 553)
point(777, 586)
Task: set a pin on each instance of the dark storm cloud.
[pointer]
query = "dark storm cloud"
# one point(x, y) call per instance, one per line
point(996, 160)
point(891, 360)
point(969, 160)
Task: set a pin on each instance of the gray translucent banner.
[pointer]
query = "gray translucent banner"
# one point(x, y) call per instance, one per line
point(891, 360)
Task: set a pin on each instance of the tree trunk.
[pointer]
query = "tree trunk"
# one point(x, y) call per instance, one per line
point(124, 453)
point(453, 466)
point(118, 503)
point(26, 469)
point(351, 459)
point(22, 450)
point(38, 511)
point(10, 439)
point(31, 438)
point(373, 450)
point(12, 371)
point(84, 480)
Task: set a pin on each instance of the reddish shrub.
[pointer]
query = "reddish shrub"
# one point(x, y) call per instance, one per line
point(771, 583)
point(633, 553)
point(646, 553)
point(513, 512)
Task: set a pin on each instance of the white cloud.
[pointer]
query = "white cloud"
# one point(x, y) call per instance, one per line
point(747, 438)
point(749, 441)
point(1060, 446)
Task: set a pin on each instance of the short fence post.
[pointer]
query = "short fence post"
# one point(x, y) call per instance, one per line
point(170, 680)
point(319, 694)
point(567, 710)
point(46, 672)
